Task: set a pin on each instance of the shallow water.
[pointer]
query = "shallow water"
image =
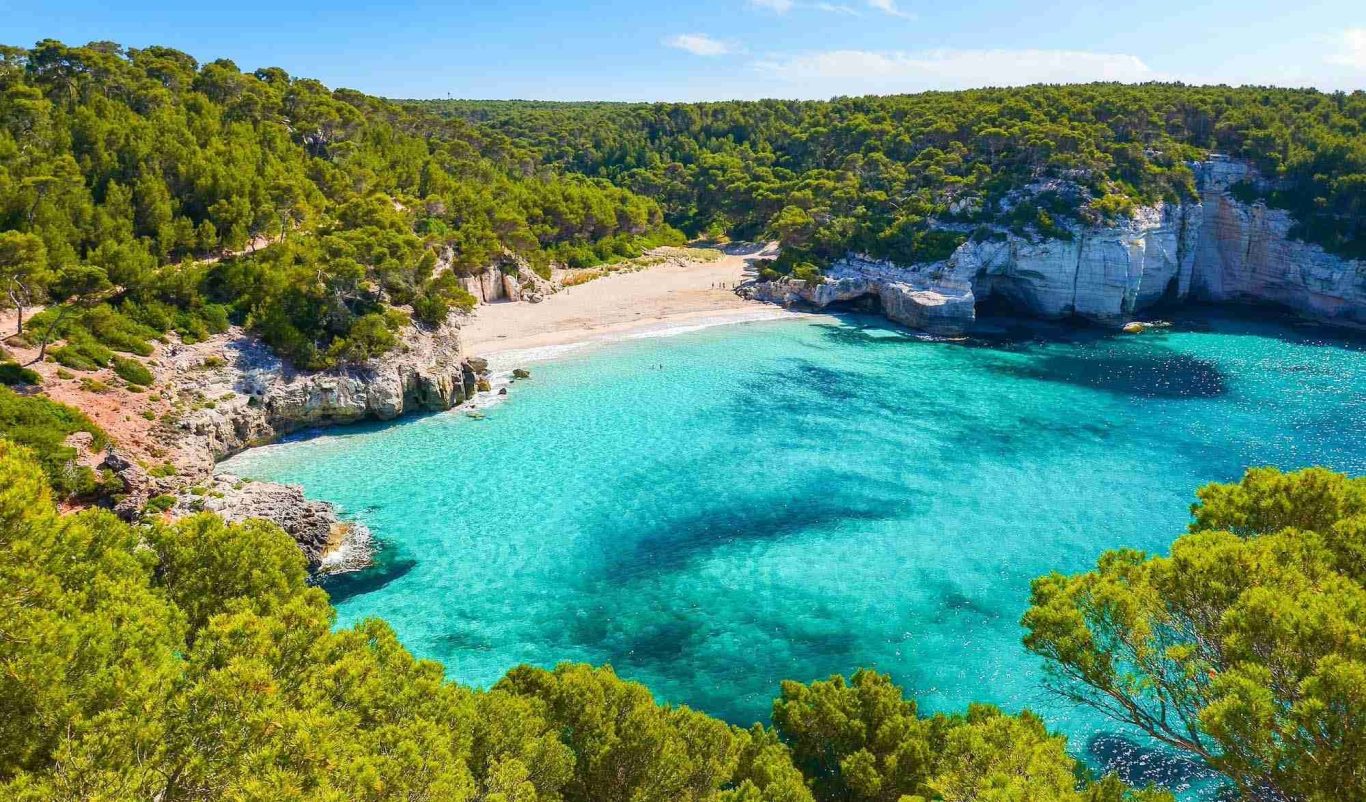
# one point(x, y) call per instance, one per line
point(718, 511)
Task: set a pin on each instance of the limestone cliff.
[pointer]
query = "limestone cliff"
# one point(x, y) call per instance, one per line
point(238, 392)
point(1216, 248)
point(234, 392)
point(510, 278)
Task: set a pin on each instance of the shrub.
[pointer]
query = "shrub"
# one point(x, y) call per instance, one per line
point(13, 374)
point(132, 371)
point(161, 503)
point(43, 425)
point(82, 352)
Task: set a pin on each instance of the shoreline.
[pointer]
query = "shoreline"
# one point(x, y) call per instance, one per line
point(676, 291)
point(665, 300)
point(512, 353)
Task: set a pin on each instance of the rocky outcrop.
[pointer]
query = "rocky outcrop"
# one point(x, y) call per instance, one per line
point(1215, 249)
point(913, 298)
point(234, 392)
point(510, 278)
point(1245, 254)
point(238, 392)
point(330, 543)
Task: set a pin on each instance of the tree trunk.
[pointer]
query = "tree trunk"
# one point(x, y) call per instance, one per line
point(47, 335)
point(19, 310)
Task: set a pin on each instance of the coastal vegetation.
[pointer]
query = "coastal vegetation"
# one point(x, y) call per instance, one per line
point(43, 426)
point(146, 197)
point(1245, 647)
point(142, 192)
point(882, 175)
point(193, 661)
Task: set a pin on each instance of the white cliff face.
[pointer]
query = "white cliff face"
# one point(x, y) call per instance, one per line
point(1102, 275)
point(1244, 254)
point(240, 393)
point(508, 279)
point(1217, 249)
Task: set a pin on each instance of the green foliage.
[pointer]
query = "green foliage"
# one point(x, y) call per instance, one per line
point(869, 173)
point(133, 371)
point(1245, 647)
point(24, 276)
point(119, 168)
point(193, 661)
point(860, 739)
point(13, 374)
point(43, 426)
point(82, 353)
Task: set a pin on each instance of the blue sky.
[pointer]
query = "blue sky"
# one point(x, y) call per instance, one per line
point(724, 49)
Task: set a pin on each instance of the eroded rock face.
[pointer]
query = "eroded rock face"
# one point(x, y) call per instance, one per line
point(508, 279)
point(241, 393)
point(1218, 249)
point(1245, 254)
point(329, 543)
point(914, 298)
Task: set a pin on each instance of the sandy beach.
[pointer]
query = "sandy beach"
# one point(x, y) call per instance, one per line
point(673, 294)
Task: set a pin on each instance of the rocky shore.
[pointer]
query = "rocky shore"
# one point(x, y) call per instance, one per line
point(233, 392)
point(1215, 248)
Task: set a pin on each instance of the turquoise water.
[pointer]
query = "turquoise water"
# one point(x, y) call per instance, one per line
point(714, 512)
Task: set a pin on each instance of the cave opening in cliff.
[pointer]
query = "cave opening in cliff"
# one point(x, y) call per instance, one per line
point(999, 304)
point(867, 304)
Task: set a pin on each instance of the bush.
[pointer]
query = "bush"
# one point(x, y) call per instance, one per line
point(82, 353)
point(13, 374)
point(808, 272)
point(43, 426)
point(161, 503)
point(133, 371)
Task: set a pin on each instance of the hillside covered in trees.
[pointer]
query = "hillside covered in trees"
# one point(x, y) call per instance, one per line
point(874, 174)
point(126, 175)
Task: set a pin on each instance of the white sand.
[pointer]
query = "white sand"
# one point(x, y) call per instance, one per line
point(669, 296)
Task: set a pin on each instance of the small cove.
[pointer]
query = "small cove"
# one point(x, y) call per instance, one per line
point(714, 512)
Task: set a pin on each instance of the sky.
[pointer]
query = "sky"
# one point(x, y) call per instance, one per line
point(687, 50)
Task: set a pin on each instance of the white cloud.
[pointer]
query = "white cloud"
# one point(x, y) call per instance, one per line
point(1351, 49)
point(854, 72)
point(780, 6)
point(890, 7)
point(839, 8)
point(699, 44)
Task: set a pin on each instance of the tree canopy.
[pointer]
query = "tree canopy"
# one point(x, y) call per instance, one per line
point(1245, 647)
point(146, 167)
point(883, 175)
